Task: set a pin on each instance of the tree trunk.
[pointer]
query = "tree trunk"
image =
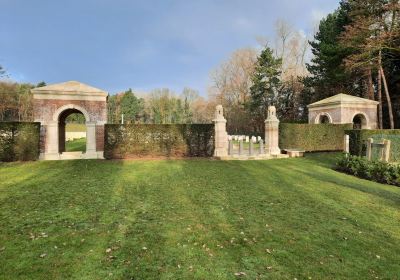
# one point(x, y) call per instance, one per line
point(380, 114)
point(370, 85)
point(387, 97)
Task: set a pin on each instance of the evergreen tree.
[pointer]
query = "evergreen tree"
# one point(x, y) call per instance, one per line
point(41, 84)
point(327, 72)
point(131, 106)
point(266, 86)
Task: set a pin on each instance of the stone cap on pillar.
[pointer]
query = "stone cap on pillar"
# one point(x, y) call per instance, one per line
point(219, 114)
point(271, 114)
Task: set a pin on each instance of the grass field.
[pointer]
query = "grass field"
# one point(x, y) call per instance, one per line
point(195, 219)
point(76, 145)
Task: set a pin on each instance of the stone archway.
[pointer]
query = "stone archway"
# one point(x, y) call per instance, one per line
point(51, 106)
point(323, 118)
point(61, 114)
point(360, 121)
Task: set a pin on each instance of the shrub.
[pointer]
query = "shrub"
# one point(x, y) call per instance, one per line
point(358, 141)
point(312, 137)
point(19, 141)
point(154, 140)
point(377, 171)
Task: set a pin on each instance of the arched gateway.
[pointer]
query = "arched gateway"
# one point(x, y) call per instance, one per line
point(54, 103)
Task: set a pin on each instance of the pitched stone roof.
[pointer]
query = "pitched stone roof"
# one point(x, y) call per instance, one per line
point(342, 98)
point(70, 87)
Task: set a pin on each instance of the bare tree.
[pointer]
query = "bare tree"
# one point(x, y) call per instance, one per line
point(231, 83)
point(283, 31)
point(232, 79)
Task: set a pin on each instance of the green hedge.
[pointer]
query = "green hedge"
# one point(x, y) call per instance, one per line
point(158, 140)
point(19, 141)
point(377, 171)
point(312, 137)
point(358, 141)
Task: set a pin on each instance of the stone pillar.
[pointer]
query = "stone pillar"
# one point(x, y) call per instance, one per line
point(272, 132)
point(370, 141)
point(51, 143)
point(230, 151)
point(221, 136)
point(251, 148)
point(91, 140)
point(347, 144)
point(386, 150)
point(262, 151)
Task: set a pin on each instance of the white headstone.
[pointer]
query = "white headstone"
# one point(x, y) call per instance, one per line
point(247, 139)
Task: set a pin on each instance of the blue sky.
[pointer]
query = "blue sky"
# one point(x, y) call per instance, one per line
point(148, 44)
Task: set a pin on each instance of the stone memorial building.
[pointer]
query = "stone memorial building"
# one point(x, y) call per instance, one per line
point(343, 108)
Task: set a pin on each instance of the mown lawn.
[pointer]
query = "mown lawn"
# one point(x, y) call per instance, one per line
point(76, 145)
point(195, 219)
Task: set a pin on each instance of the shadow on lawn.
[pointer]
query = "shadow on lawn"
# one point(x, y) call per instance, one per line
point(387, 192)
point(141, 211)
point(313, 213)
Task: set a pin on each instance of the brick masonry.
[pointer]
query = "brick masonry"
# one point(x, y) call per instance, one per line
point(99, 138)
point(44, 109)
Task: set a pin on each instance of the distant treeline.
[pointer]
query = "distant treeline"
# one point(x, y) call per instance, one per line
point(160, 106)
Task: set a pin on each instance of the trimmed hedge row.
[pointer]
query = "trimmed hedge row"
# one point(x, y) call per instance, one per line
point(312, 137)
point(358, 141)
point(158, 140)
point(377, 171)
point(19, 141)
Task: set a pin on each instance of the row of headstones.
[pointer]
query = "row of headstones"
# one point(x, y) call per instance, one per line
point(245, 138)
point(251, 151)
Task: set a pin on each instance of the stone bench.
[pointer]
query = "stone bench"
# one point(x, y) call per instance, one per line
point(294, 152)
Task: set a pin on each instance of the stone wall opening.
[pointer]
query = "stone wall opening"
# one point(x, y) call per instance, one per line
point(323, 118)
point(360, 122)
point(72, 131)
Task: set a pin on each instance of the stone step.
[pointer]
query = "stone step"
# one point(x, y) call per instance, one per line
point(71, 155)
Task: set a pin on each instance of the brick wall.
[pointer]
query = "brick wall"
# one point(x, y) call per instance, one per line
point(44, 109)
point(99, 138)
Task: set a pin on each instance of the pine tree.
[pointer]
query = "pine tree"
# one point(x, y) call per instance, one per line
point(265, 88)
point(327, 72)
point(131, 106)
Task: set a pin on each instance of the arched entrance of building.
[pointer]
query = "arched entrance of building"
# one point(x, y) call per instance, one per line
point(53, 107)
point(72, 131)
point(323, 118)
point(360, 121)
point(59, 130)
